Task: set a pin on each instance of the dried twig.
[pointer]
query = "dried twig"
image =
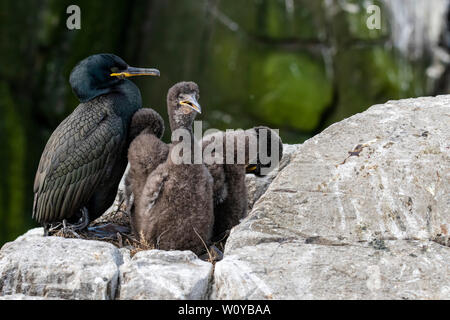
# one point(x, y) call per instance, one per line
point(211, 259)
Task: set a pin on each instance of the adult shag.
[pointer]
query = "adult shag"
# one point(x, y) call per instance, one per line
point(86, 156)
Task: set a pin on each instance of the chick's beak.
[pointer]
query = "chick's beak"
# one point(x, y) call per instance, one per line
point(134, 72)
point(192, 103)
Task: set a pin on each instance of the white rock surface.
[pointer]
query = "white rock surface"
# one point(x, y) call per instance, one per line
point(36, 267)
point(55, 267)
point(24, 297)
point(311, 235)
point(292, 269)
point(158, 274)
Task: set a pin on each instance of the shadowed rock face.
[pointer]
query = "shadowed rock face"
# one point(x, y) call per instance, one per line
point(360, 211)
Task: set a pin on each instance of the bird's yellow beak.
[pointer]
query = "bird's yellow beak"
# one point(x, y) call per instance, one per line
point(250, 168)
point(134, 72)
point(192, 103)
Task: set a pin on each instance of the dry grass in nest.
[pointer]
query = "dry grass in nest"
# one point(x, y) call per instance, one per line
point(141, 245)
point(117, 219)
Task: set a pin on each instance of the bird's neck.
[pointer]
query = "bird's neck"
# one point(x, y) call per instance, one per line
point(125, 89)
point(183, 142)
point(131, 98)
point(182, 134)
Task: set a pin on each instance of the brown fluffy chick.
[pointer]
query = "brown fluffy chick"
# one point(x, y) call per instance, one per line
point(145, 153)
point(175, 208)
point(230, 191)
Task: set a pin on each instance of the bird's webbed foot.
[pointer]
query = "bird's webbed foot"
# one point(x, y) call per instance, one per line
point(108, 231)
point(83, 222)
point(68, 228)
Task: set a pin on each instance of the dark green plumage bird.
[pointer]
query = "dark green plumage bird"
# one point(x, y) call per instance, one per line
point(86, 156)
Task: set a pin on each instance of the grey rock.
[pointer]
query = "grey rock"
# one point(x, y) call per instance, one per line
point(32, 233)
point(24, 297)
point(54, 267)
point(157, 274)
point(37, 267)
point(293, 269)
point(350, 214)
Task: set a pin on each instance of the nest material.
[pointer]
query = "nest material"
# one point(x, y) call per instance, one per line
point(115, 228)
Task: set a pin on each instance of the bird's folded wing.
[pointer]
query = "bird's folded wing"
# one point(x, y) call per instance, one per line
point(74, 160)
point(153, 188)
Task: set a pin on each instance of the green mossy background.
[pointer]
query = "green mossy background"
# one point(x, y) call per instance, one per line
point(297, 65)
